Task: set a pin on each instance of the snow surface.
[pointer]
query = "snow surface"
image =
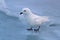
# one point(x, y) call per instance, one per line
point(11, 28)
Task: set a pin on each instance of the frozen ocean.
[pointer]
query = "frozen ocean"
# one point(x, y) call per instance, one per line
point(12, 28)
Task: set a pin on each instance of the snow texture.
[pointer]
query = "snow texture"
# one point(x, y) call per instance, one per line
point(11, 28)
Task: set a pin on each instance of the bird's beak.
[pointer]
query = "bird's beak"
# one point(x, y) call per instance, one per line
point(21, 13)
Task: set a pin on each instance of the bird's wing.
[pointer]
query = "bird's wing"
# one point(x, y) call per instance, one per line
point(40, 19)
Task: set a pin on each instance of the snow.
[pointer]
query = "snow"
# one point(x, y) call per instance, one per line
point(11, 28)
point(4, 8)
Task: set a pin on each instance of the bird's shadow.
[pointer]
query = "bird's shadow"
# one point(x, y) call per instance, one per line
point(54, 25)
point(32, 37)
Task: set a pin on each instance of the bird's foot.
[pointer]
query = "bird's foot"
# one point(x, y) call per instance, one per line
point(29, 29)
point(36, 30)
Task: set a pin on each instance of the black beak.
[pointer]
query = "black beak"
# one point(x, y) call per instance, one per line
point(21, 13)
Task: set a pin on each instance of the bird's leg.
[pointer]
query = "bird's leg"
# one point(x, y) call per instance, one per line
point(37, 29)
point(29, 29)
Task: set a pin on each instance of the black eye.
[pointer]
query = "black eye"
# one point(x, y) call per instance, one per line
point(24, 10)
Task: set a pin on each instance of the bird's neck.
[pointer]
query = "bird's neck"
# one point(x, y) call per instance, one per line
point(28, 14)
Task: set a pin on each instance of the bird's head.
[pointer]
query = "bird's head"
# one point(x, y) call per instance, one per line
point(25, 11)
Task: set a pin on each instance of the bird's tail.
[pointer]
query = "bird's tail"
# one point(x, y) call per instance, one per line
point(46, 18)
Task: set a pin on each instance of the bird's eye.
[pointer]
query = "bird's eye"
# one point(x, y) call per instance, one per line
point(24, 10)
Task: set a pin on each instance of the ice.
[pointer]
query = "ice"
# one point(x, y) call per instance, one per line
point(11, 28)
point(4, 8)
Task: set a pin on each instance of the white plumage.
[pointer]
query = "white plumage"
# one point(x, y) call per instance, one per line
point(32, 19)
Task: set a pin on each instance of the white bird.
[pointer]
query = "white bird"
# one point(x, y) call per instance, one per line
point(32, 19)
